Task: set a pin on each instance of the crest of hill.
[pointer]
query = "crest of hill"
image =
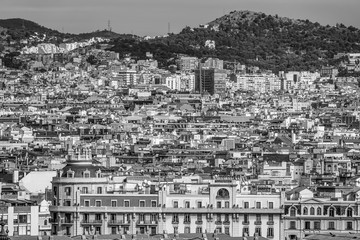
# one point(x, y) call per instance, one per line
point(22, 24)
point(249, 16)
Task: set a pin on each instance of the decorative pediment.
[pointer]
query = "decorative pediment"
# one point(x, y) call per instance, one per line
point(312, 201)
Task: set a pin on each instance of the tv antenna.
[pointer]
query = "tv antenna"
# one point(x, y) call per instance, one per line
point(109, 26)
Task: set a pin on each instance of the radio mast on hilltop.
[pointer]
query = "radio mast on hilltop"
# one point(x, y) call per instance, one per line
point(109, 26)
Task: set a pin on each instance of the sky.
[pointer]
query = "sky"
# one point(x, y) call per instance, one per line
point(151, 17)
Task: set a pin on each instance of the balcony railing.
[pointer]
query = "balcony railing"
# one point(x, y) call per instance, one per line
point(245, 223)
point(218, 222)
point(175, 222)
point(67, 221)
point(270, 222)
point(187, 221)
point(226, 222)
point(118, 222)
point(148, 222)
point(257, 222)
point(199, 222)
point(92, 222)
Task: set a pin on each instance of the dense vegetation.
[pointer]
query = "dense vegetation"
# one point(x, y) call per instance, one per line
point(257, 39)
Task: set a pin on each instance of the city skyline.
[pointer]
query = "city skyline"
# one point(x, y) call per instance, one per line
point(152, 17)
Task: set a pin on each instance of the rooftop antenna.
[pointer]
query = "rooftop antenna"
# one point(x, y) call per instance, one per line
point(109, 26)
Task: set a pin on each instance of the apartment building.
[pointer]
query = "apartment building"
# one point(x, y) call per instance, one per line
point(306, 214)
point(89, 200)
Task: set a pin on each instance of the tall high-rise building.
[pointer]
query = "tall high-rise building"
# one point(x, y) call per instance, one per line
point(212, 81)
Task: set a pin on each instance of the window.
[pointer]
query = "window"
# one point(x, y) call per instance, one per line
point(246, 204)
point(142, 203)
point(86, 174)
point(227, 218)
point(68, 191)
point(98, 217)
point(307, 225)
point(305, 211)
point(312, 211)
point(97, 203)
point(292, 225)
point(331, 212)
point(67, 203)
point(70, 174)
point(271, 218)
point(199, 204)
point(127, 203)
point(99, 190)
point(113, 203)
point(153, 203)
point(270, 232)
point(113, 230)
point(198, 229)
point(246, 218)
point(199, 217)
point(227, 204)
point(218, 217)
point(258, 205)
point(141, 217)
point(84, 190)
point(227, 230)
point(317, 225)
point(258, 217)
point(176, 230)
point(293, 211)
point(318, 211)
point(218, 230)
point(22, 219)
point(258, 231)
point(187, 230)
point(218, 204)
point(271, 205)
point(187, 204)
point(331, 226)
point(349, 212)
point(176, 204)
point(349, 226)
point(245, 231)
point(112, 217)
point(175, 218)
point(187, 218)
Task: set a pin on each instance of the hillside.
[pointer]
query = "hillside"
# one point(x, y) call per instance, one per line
point(18, 28)
point(270, 42)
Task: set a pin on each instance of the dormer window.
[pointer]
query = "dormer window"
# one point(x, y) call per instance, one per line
point(98, 174)
point(70, 174)
point(86, 174)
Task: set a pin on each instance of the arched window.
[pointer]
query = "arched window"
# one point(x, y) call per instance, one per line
point(318, 211)
point(332, 212)
point(292, 211)
point(305, 211)
point(349, 212)
point(223, 193)
point(45, 222)
point(312, 211)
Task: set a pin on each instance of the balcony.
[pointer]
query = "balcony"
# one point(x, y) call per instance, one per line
point(187, 222)
point(91, 222)
point(146, 222)
point(226, 222)
point(245, 223)
point(199, 222)
point(218, 222)
point(175, 222)
point(257, 223)
point(270, 222)
point(116, 222)
point(67, 222)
